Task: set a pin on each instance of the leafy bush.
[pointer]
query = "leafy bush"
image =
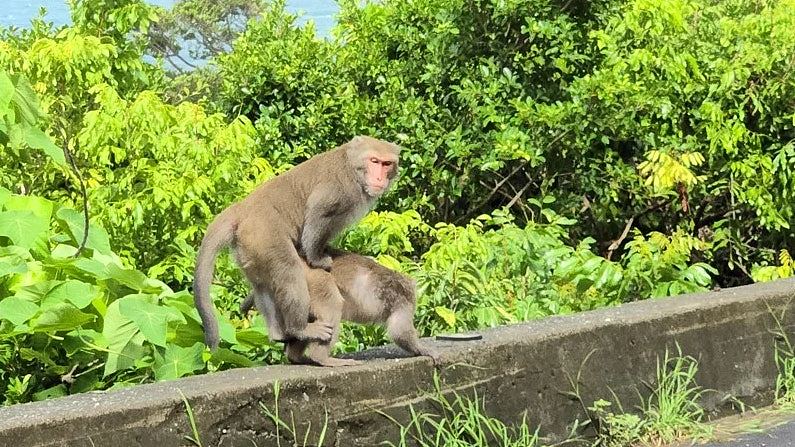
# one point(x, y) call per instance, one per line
point(73, 322)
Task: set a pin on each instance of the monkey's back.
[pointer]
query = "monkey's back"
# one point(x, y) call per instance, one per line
point(279, 204)
point(371, 291)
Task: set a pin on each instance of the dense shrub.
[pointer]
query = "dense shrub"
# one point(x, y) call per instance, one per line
point(663, 115)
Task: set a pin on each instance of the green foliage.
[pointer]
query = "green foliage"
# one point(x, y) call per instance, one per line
point(785, 269)
point(461, 421)
point(688, 82)
point(279, 75)
point(493, 272)
point(661, 265)
point(77, 322)
point(671, 114)
point(672, 413)
point(159, 172)
point(19, 116)
point(155, 172)
point(386, 234)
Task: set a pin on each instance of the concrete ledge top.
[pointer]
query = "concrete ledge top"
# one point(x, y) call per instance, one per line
point(526, 351)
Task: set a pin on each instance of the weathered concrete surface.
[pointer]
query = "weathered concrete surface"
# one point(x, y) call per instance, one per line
point(517, 369)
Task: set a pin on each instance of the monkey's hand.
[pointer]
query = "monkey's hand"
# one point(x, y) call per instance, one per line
point(323, 262)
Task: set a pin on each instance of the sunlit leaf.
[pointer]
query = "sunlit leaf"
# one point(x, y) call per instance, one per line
point(74, 222)
point(446, 314)
point(61, 317)
point(151, 319)
point(37, 139)
point(76, 292)
point(17, 310)
point(178, 361)
point(24, 228)
point(125, 341)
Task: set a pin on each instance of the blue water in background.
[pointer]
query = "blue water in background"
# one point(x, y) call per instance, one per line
point(19, 12)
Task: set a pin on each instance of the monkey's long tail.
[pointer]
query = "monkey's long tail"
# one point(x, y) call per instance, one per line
point(219, 234)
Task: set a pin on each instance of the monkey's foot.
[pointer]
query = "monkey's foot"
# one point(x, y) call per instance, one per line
point(300, 360)
point(429, 352)
point(316, 331)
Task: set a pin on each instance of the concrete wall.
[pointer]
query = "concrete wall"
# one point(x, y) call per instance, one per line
point(517, 369)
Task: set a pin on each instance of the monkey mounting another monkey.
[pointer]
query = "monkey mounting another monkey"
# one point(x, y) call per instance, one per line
point(357, 289)
point(306, 207)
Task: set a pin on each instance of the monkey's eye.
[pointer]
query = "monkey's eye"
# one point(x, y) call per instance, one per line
point(374, 160)
point(387, 164)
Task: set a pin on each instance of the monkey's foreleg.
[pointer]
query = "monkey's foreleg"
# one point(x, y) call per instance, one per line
point(400, 327)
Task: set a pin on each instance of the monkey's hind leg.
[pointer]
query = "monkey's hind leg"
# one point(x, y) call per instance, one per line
point(267, 309)
point(400, 327)
point(320, 356)
point(294, 350)
point(326, 305)
point(279, 272)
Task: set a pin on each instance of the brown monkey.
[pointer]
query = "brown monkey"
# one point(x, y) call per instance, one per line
point(304, 207)
point(357, 289)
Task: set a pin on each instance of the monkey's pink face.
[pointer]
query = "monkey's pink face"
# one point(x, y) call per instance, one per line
point(379, 172)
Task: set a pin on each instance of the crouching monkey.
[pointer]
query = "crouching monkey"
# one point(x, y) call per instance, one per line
point(356, 289)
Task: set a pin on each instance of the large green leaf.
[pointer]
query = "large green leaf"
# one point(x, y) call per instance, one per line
point(6, 93)
point(178, 361)
point(73, 222)
point(125, 341)
point(224, 355)
point(183, 301)
point(135, 280)
point(26, 103)
point(254, 337)
point(32, 285)
point(17, 310)
point(8, 268)
point(92, 267)
point(39, 206)
point(4, 195)
point(152, 320)
point(37, 139)
point(24, 228)
point(76, 292)
point(61, 317)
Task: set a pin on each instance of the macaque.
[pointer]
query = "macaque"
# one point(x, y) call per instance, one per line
point(305, 207)
point(359, 290)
